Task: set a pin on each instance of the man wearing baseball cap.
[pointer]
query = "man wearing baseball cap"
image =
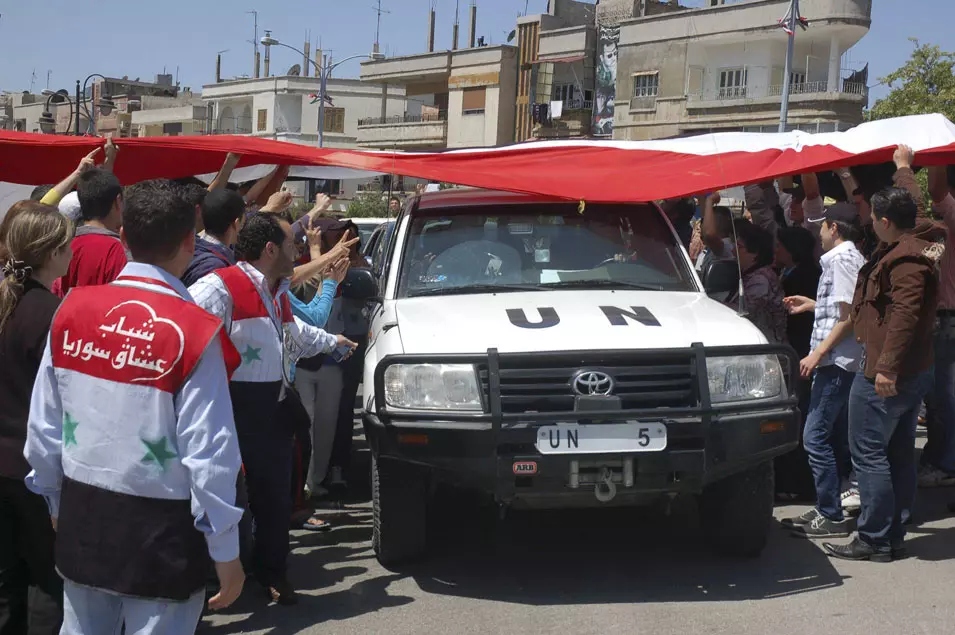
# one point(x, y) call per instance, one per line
point(832, 363)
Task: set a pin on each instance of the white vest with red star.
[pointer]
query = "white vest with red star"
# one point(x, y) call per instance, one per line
point(258, 337)
point(121, 354)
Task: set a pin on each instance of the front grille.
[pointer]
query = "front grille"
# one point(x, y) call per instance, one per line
point(528, 386)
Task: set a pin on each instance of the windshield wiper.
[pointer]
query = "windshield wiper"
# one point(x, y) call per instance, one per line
point(474, 288)
point(603, 284)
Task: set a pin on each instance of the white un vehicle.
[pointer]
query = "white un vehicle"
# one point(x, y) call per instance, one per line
point(551, 356)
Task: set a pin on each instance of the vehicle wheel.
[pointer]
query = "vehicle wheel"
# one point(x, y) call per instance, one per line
point(736, 513)
point(399, 495)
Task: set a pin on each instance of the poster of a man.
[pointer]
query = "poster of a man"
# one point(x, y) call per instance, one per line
point(606, 81)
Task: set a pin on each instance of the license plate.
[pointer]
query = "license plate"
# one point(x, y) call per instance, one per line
point(572, 438)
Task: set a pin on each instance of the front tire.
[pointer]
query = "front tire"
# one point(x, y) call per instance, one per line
point(399, 502)
point(736, 513)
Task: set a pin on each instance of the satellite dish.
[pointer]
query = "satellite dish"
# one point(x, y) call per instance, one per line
point(512, 35)
point(295, 71)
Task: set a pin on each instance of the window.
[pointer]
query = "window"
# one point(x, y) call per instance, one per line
point(542, 247)
point(733, 83)
point(263, 115)
point(172, 129)
point(474, 100)
point(796, 78)
point(646, 84)
point(563, 92)
point(334, 120)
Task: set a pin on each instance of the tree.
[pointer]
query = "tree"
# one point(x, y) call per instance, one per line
point(369, 203)
point(925, 84)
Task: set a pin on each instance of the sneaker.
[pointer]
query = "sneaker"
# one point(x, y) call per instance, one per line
point(851, 503)
point(336, 478)
point(930, 476)
point(802, 520)
point(822, 527)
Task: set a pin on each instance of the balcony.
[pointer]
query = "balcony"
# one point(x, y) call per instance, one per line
point(427, 130)
point(735, 96)
point(574, 121)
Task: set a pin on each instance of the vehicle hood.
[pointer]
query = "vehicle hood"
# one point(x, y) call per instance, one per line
point(475, 323)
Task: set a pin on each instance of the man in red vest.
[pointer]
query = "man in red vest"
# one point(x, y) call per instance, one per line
point(131, 437)
point(252, 301)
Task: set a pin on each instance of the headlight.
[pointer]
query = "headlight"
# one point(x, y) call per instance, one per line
point(744, 378)
point(433, 387)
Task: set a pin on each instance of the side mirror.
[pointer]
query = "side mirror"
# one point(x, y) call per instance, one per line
point(359, 284)
point(721, 279)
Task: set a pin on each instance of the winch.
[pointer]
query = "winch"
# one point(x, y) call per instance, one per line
point(604, 475)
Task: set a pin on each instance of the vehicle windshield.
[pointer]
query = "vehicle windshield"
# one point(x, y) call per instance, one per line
point(541, 247)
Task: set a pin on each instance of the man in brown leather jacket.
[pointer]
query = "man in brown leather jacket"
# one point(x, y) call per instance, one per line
point(893, 316)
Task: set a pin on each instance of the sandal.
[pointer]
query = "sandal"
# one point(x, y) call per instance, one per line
point(315, 524)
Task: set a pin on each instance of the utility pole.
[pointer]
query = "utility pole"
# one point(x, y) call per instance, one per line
point(255, 43)
point(454, 30)
point(323, 83)
point(379, 11)
point(789, 24)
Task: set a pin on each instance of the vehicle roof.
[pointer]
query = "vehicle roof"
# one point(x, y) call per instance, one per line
point(369, 221)
point(473, 197)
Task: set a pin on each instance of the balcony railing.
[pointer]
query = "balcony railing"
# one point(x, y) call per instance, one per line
point(578, 104)
point(406, 118)
point(758, 92)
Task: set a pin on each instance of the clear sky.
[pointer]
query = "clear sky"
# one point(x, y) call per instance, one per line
point(139, 38)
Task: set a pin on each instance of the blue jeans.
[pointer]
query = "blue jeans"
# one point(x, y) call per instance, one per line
point(882, 440)
point(825, 436)
point(90, 611)
point(939, 449)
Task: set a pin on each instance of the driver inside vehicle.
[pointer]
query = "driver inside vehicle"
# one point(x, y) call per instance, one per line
point(527, 251)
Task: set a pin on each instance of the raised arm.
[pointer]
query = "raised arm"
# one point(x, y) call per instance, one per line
point(904, 177)
point(309, 270)
point(712, 237)
point(112, 151)
point(267, 185)
point(222, 177)
point(66, 186)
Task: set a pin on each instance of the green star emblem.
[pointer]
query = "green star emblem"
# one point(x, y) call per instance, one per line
point(251, 355)
point(158, 452)
point(69, 430)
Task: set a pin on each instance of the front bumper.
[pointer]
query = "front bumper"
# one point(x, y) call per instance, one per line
point(705, 443)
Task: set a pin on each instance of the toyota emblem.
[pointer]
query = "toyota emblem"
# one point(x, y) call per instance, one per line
point(592, 382)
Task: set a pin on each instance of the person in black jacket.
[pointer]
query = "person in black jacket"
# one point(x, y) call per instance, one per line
point(36, 250)
point(799, 275)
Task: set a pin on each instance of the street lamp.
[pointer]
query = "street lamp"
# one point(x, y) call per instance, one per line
point(47, 121)
point(324, 71)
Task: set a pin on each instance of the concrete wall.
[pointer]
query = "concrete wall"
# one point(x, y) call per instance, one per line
point(494, 68)
point(577, 40)
point(760, 15)
point(572, 12)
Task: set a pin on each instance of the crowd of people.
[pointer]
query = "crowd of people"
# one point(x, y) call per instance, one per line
point(169, 366)
point(872, 324)
point(150, 337)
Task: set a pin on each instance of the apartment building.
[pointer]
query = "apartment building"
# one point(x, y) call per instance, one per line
point(286, 108)
point(455, 99)
point(661, 69)
point(475, 96)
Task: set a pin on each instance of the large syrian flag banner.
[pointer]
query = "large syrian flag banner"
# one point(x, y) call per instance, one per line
point(590, 170)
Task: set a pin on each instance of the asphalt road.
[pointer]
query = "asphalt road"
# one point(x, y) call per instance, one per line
point(604, 571)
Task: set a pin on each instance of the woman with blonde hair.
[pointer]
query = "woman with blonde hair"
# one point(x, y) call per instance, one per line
point(36, 251)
